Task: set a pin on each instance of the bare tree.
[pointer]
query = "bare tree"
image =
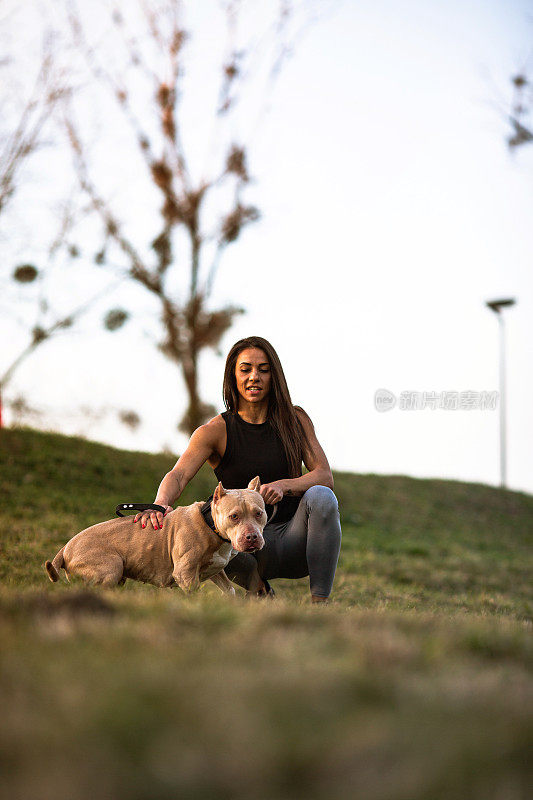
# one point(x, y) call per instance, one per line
point(199, 216)
point(25, 131)
point(43, 331)
point(22, 139)
point(22, 130)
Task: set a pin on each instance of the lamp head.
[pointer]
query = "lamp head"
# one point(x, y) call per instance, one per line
point(496, 305)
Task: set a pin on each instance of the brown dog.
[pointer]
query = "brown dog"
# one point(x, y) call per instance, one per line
point(186, 551)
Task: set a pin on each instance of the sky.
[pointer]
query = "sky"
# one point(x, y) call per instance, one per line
point(392, 210)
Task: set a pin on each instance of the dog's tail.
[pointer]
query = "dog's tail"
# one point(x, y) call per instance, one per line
point(53, 567)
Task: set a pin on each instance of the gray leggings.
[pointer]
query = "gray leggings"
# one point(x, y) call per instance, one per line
point(308, 544)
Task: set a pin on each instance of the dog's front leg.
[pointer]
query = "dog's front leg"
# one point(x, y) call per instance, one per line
point(187, 576)
point(223, 582)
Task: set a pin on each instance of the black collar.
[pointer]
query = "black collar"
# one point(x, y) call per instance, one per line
point(206, 513)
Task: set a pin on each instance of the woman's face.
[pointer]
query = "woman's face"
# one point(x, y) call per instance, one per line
point(252, 373)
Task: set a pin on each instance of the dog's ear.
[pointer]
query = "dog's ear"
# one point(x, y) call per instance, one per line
point(255, 484)
point(219, 492)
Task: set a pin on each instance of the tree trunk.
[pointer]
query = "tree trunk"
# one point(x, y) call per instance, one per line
point(197, 412)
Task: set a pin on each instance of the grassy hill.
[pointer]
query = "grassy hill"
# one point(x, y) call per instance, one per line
point(414, 683)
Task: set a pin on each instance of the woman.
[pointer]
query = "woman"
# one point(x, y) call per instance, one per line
point(262, 433)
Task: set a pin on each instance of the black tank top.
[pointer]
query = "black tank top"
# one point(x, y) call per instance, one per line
point(254, 450)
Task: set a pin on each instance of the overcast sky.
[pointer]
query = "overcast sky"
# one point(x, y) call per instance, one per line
point(391, 211)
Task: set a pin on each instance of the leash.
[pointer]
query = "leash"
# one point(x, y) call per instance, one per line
point(137, 507)
point(205, 512)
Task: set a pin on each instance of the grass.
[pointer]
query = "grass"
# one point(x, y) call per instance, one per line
point(413, 684)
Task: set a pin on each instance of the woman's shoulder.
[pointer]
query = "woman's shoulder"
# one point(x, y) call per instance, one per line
point(303, 416)
point(210, 431)
point(215, 424)
point(211, 436)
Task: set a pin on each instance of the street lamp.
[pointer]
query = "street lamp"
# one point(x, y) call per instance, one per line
point(496, 306)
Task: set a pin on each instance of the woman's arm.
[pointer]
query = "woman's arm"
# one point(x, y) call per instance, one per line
point(315, 461)
point(203, 443)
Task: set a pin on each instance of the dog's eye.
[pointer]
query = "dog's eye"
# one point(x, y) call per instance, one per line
point(234, 516)
point(258, 513)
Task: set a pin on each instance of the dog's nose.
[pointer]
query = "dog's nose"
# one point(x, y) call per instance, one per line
point(251, 536)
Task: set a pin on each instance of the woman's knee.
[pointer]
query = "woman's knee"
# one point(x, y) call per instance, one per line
point(321, 498)
point(241, 568)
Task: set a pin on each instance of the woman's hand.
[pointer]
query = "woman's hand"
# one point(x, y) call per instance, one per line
point(155, 517)
point(272, 492)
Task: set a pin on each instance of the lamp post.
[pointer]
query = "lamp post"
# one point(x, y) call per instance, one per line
point(496, 306)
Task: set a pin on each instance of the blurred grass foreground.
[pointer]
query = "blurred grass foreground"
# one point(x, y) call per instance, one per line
point(414, 683)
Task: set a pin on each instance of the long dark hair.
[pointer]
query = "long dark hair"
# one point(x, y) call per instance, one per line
point(281, 412)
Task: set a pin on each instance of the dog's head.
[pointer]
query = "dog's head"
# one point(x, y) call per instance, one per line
point(239, 515)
